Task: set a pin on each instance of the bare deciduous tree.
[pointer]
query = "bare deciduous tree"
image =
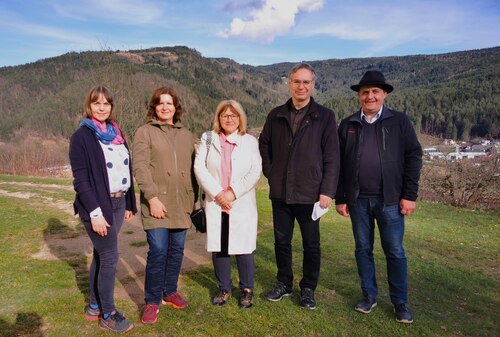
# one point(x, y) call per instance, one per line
point(463, 183)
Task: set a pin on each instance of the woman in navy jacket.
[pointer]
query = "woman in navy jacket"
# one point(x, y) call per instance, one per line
point(102, 173)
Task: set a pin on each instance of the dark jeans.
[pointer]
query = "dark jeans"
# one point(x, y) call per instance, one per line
point(391, 227)
point(105, 258)
point(222, 262)
point(166, 250)
point(284, 216)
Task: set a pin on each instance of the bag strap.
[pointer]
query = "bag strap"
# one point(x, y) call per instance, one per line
point(209, 143)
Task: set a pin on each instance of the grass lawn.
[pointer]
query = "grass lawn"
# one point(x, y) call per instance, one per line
point(453, 261)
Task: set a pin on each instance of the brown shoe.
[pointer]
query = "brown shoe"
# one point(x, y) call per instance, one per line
point(222, 297)
point(246, 299)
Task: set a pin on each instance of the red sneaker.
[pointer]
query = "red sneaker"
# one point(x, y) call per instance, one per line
point(150, 314)
point(92, 314)
point(175, 300)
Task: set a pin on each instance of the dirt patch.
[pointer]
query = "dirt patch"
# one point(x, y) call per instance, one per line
point(76, 249)
point(69, 242)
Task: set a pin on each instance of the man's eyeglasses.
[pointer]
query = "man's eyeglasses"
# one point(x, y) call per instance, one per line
point(231, 117)
point(298, 82)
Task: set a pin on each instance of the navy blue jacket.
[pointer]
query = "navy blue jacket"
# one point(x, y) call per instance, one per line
point(300, 167)
point(91, 178)
point(400, 157)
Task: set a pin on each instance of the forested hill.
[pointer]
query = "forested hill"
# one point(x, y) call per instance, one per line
point(453, 95)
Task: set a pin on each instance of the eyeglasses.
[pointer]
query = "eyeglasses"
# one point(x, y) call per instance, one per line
point(231, 117)
point(298, 82)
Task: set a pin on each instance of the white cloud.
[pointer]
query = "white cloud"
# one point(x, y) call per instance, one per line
point(274, 18)
point(17, 25)
point(126, 12)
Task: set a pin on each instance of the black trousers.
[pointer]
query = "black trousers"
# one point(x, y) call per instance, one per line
point(222, 262)
point(284, 216)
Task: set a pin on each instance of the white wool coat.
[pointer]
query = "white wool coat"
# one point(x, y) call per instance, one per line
point(246, 166)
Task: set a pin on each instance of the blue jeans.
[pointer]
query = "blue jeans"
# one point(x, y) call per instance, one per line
point(105, 258)
point(391, 227)
point(166, 250)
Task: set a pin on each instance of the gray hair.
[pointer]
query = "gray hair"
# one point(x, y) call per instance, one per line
point(302, 65)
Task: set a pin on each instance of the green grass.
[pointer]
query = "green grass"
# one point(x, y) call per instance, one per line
point(453, 258)
point(35, 180)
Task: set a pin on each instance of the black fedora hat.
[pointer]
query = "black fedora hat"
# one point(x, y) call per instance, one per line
point(374, 78)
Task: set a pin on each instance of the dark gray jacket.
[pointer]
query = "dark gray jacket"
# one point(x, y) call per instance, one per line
point(400, 157)
point(300, 167)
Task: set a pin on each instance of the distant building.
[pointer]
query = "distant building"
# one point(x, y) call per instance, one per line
point(469, 154)
point(432, 153)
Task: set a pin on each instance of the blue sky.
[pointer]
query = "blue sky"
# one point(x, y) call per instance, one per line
point(255, 32)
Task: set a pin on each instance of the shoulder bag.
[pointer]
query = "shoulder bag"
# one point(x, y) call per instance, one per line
point(198, 217)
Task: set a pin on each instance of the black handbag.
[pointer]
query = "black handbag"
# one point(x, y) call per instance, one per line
point(199, 220)
point(198, 217)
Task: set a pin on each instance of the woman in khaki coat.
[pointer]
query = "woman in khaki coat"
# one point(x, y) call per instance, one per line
point(163, 153)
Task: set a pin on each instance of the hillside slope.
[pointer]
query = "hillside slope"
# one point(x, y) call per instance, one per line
point(453, 95)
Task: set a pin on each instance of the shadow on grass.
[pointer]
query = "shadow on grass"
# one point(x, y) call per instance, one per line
point(27, 324)
point(264, 274)
point(74, 248)
point(57, 230)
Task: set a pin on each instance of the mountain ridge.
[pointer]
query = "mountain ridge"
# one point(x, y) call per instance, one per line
point(452, 95)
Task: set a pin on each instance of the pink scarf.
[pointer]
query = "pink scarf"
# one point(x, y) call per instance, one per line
point(102, 126)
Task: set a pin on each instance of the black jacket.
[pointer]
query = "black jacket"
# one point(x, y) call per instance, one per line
point(91, 177)
point(400, 157)
point(299, 168)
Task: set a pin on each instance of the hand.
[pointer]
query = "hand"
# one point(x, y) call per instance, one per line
point(100, 225)
point(128, 215)
point(407, 206)
point(223, 202)
point(156, 208)
point(229, 194)
point(342, 209)
point(324, 201)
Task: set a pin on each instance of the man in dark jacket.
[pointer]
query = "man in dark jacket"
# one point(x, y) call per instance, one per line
point(381, 161)
point(300, 158)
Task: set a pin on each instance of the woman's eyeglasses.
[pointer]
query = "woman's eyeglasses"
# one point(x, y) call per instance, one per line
point(231, 117)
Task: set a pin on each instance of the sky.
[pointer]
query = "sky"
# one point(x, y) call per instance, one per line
point(255, 32)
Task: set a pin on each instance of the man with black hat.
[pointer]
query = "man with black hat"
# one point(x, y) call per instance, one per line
point(381, 160)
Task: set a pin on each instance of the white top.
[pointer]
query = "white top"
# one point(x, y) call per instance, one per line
point(117, 164)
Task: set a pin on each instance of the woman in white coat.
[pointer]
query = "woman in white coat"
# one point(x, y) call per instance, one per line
point(228, 166)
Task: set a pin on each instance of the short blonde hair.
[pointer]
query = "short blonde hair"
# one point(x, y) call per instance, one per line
point(235, 108)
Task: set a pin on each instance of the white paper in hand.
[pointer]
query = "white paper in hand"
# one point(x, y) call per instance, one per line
point(318, 211)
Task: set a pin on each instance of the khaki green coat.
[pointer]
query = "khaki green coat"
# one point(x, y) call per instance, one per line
point(162, 156)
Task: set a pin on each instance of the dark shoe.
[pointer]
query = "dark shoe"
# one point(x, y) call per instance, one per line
point(366, 304)
point(92, 314)
point(115, 323)
point(222, 297)
point(246, 300)
point(175, 300)
point(307, 300)
point(278, 292)
point(150, 314)
point(403, 314)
